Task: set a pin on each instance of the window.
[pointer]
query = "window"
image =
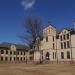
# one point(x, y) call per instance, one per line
point(24, 58)
point(61, 38)
point(6, 58)
point(14, 53)
point(62, 55)
point(68, 55)
point(17, 58)
point(10, 52)
point(46, 38)
point(24, 53)
point(53, 45)
point(64, 44)
point(6, 52)
point(14, 58)
point(64, 37)
point(61, 45)
point(10, 58)
point(2, 51)
point(53, 38)
point(67, 36)
point(21, 53)
point(31, 58)
point(18, 53)
point(68, 44)
point(53, 55)
point(1, 58)
point(21, 58)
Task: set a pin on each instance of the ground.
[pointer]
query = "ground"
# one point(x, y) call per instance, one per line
point(45, 69)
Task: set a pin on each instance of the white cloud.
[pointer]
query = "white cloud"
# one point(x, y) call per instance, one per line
point(27, 4)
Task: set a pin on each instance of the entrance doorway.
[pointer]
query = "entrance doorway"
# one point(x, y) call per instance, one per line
point(47, 56)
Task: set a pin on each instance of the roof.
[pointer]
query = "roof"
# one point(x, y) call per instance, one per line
point(68, 29)
point(7, 46)
point(50, 24)
point(72, 31)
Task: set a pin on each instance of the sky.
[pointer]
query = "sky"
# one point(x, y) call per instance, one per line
point(61, 13)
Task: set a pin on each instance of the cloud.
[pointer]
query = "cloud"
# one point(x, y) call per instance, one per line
point(27, 4)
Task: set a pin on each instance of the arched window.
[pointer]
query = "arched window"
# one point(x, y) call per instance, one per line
point(2, 51)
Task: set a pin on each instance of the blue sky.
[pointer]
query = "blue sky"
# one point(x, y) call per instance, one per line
point(61, 13)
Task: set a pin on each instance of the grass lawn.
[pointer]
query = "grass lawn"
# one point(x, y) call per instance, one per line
point(46, 69)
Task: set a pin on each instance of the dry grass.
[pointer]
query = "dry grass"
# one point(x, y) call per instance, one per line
point(48, 69)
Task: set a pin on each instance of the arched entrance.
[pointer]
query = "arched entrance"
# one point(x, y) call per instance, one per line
point(47, 56)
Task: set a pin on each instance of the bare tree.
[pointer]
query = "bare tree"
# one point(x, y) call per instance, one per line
point(33, 31)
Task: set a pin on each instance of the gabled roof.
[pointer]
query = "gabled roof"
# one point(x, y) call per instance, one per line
point(68, 29)
point(50, 24)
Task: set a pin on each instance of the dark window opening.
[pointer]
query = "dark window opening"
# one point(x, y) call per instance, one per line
point(53, 38)
point(67, 36)
point(61, 38)
point(17, 58)
point(24, 53)
point(10, 58)
point(53, 45)
point(64, 37)
point(1, 58)
point(24, 58)
point(14, 58)
point(2, 51)
point(46, 38)
point(31, 58)
point(6, 58)
point(61, 45)
point(21, 58)
point(68, 44)
point(62, 55)
point(21, 53)
point(64, 44)
point(53, 55)
point(14, 52)
point(10, 52)
point(6, 52)
point(68, 55)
